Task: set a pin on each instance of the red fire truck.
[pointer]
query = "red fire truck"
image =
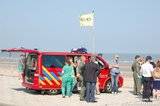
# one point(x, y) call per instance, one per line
point(42, 70)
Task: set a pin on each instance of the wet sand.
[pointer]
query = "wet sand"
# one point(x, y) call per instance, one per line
point(12, 93)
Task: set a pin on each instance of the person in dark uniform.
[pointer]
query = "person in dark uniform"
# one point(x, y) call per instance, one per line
point(136, 75)
point(90, 73)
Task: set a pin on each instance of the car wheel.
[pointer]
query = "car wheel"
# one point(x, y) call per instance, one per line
point(108, 87)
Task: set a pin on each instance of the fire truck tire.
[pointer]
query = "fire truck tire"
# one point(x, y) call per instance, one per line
point(108, 87)
point(53, 92)
point(28, 88)
point(42, 92)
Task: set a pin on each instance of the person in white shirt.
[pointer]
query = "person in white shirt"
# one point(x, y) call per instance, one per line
point(146, 72)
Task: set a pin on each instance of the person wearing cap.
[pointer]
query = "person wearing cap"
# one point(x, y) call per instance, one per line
point(146, 72)
point(90, 73)
point(114, 73)
point(136, 75)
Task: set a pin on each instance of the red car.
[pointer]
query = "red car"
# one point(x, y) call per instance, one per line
point(42, 70)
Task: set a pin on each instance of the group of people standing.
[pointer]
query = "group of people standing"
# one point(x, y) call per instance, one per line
point(86, 74)
point(146, 75)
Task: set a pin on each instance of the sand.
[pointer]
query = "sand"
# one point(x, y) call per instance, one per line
point(12, 93)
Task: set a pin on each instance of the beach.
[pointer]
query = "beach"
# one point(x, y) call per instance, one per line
point(42, 39)
point(14, 94)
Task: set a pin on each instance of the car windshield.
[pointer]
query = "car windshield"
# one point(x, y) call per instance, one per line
point(53, 61)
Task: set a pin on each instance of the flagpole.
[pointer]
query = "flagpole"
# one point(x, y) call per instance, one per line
point(93, 39)
point(93, 35)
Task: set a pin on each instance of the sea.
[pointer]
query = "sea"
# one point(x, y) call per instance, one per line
point(128, 58)
point(125, 58)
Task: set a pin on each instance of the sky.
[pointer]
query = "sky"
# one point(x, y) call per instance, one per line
point(121, 26)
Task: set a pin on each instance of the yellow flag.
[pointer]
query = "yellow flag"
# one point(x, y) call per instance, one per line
point(87, 20)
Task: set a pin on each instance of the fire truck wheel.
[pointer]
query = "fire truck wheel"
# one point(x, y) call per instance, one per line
point(108, 87)
point(43, 92)
point(53, 92)
point(28, 88)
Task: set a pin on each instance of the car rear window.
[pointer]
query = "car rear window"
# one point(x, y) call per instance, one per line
point(53, 61)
